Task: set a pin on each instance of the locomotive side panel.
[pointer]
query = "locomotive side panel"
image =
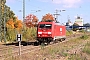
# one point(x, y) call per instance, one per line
point(59, 32)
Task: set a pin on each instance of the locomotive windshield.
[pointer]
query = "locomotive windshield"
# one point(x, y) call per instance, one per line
point(45, 26)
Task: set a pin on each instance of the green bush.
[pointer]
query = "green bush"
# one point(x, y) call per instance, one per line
point(11, 35)
point(29, 33)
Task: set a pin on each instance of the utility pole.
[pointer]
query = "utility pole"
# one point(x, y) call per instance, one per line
point(57, 14)
point(23, 11)
point(19, 35)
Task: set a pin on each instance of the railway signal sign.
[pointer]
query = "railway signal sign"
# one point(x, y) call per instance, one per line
point(19, 37)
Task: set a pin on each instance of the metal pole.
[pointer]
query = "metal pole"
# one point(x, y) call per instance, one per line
point(23, 10)
point(56, 15)
point(19, 48)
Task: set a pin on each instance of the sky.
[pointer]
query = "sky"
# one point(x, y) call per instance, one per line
point(72, 9)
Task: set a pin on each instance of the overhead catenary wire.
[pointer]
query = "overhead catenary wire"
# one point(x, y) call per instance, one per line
point(38, 8)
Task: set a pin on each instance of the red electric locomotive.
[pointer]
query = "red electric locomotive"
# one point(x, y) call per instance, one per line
point(50, 31)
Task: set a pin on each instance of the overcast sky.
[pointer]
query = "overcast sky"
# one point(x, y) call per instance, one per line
point(72, 7)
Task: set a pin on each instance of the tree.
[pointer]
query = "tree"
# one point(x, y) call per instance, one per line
point(14, 24)
point(31, 20)
point(13, 27)
point(10, 24)
point(5, 14)
point(18, 24)
point(7, 19)
point(9, 14)
point(48, 17)
point(5, 11)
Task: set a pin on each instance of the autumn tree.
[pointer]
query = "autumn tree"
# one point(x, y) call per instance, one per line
point(10, 24)
point(48, 17)
point(31, 20)
point(13, 27)
point(18, 24)
point(14, 24)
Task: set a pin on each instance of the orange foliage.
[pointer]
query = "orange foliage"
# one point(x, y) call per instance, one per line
point(18, 24)
point(10, 24)
point(48, 17)
point(31, 20)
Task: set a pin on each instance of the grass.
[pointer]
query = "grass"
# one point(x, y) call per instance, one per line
point(8, 52)
point(82, 31)
point(69, 32)
point(42, 46)
point(86, 49)
point(30, 34)
point(61, 49)
point(84, 37)
point(76, 57)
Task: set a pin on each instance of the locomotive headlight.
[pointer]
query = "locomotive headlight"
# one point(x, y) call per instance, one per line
point(39, 32)
point(49, 32)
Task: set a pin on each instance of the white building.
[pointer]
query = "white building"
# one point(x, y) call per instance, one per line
point(69, 23)
point(79, 21)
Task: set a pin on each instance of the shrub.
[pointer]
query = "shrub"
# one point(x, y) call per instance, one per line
point(29, 33)
point(11, 35)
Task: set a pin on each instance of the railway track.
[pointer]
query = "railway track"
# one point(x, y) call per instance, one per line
point(7, 47)
point(16, 52)
point(31, 48)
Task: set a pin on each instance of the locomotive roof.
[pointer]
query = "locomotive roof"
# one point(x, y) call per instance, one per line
point(49, 23)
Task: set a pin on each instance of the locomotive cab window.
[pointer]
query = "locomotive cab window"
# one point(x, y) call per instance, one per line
point(41, 25)
point(45, 26)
